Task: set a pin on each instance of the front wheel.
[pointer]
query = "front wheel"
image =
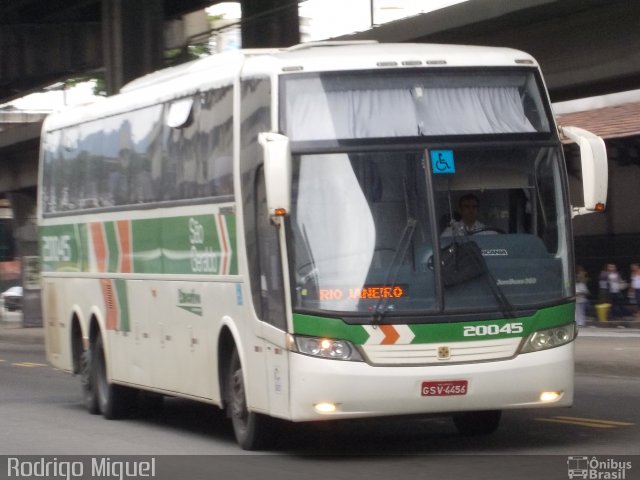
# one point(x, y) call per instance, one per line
point(250, 429)
point(477, 423)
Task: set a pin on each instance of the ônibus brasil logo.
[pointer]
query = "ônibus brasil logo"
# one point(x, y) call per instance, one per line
point(597, 468)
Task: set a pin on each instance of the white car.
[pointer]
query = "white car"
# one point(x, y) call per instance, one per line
point(12, 298)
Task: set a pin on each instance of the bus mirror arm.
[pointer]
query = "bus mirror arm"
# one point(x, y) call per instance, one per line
point(277, 172)
point(593, 157)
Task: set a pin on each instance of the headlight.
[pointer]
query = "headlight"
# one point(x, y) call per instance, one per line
point(326, 348)
point(550, 338)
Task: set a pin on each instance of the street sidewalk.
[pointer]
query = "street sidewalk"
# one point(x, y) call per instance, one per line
point(14, 332)
point(631, 323)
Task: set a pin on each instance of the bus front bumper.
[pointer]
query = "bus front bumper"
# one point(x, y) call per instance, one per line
point(325, 389)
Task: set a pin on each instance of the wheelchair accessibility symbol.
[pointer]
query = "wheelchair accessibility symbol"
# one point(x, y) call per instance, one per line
point(442, 161)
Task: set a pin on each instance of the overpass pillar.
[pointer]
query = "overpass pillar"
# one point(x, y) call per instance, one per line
point(133, 43)
point(25, 231)
point(269, 23)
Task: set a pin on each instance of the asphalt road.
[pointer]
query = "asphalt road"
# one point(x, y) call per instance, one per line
point(41, 414)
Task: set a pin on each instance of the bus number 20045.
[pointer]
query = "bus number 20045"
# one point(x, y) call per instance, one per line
point(485, 330)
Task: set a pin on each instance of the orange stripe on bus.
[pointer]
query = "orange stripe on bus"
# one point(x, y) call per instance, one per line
point(99, 246)
point(110, 304)
point(124, 243)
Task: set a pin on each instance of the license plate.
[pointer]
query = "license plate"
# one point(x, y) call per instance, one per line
point(444, 388)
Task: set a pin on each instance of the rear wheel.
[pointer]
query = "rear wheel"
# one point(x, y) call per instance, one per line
point(114, 401)
point(88, 385)
point(250, 429)
point(477, 423)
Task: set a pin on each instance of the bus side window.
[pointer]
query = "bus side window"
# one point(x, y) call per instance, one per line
point(269, 261)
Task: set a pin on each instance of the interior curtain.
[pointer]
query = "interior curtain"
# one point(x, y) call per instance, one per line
point(320, 115)
point(471, 110)
point(315, 114)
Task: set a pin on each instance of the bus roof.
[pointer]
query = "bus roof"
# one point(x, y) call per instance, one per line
point(336, 56)
point(221, 69)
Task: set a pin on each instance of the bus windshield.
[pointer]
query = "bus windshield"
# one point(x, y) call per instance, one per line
point(365, 226)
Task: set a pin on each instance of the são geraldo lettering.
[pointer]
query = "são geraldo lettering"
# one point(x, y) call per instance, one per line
point(203, 259)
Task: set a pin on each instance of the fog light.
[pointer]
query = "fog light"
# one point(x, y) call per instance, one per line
point(325, 407)
point(550, 396)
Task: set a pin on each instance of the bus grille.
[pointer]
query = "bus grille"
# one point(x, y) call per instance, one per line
point(441, 353)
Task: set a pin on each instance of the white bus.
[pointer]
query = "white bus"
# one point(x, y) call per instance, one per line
point(263, 231)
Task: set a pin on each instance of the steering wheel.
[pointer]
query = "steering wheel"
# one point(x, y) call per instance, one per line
point(494, 230)
point(307, 272)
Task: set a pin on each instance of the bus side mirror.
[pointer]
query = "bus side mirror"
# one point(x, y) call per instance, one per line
point(277, 172)
point(593, 156)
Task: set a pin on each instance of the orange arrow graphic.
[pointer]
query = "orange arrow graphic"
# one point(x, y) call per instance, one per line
point(391, 335)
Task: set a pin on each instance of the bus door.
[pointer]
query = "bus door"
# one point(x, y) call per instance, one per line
point(271, 305)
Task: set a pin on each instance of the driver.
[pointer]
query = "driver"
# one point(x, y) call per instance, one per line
point(469, 208)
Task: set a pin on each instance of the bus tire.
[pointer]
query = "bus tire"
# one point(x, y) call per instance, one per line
point(477, 423)
point(114, 401)
point(250, 428)
point(86, 379)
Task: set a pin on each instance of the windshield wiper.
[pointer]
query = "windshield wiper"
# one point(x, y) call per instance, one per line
point(507, 309)
point(462, 261)
point(391, 276)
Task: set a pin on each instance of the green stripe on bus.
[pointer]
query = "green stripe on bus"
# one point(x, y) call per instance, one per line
point(189, 244)
point(147, 254)
point(439, 332)
point(113, 253)
point(123, 305)
point(328, 327)
point(230, 221)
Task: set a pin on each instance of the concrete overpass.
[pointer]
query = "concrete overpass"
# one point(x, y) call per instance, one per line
point(45, 42)
point(585, 47)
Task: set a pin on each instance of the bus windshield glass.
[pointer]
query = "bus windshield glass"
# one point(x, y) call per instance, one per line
point(365, 226)
point(405, 103)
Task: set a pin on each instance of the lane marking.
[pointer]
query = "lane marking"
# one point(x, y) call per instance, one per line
point(28, 364)
point(583, 424)
point(607, 422)
point(586, 422)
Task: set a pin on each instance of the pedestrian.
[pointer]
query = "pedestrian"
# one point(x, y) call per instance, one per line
point(635, 286)
point(603, 286)
point(618, 310)
point(582, 296)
